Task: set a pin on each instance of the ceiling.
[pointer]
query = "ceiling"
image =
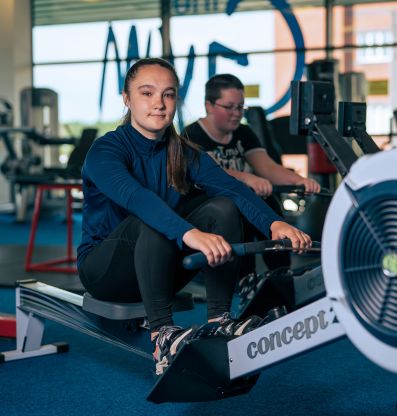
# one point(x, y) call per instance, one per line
point(54, 12)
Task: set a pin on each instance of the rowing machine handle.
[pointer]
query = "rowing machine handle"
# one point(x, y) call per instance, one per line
point(288, 189)
point(198, 260)
point(298, 189)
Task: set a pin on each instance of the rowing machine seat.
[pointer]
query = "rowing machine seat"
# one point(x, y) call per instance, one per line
point(113, 310)
point(183, 301)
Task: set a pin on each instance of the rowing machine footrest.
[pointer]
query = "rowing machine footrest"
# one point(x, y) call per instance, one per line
point(183, 301)
point(267, 295)
point(200, 372)
point(292, 288)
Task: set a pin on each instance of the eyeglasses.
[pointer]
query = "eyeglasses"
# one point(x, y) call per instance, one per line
point(232, 107)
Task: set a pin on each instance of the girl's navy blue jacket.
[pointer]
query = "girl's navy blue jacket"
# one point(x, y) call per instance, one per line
point(125, 173)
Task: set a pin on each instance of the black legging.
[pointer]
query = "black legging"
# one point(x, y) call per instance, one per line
point(136, 263)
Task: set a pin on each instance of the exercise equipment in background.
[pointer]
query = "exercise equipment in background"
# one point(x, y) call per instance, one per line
point(296, 286)
point(33, 149)
point(352, 125)
point(305, 211)
point(7, 326)
point(348, 87)
point(320, 167)
point(293, 287)
point(6, 113)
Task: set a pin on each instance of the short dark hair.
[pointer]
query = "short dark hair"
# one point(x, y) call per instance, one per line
point(217, 83)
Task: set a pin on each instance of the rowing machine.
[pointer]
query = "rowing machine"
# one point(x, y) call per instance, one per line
point(359, 263)
point(121, 324)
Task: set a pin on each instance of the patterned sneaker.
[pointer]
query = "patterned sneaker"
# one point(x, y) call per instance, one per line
point(167, 343)
point(229, 326)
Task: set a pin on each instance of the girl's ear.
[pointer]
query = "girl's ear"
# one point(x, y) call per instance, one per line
point(126, 99)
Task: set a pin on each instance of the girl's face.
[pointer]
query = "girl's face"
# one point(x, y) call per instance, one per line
point(151, 97)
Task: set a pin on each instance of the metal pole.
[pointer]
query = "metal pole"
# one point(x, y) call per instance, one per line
point(349, 36)
point(165, 27)
point(329, 4)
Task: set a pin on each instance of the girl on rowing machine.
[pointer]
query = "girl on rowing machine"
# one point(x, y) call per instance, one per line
point(138, 223)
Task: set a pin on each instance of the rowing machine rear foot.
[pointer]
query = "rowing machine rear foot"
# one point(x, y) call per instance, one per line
point(200, 372)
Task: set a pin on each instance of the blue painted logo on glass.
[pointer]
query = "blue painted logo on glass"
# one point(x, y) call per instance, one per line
point(215, 49)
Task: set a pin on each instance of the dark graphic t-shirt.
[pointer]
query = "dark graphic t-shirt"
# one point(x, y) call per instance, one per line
point(231, 155)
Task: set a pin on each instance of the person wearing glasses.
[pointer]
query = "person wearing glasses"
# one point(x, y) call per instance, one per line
point(237, 149)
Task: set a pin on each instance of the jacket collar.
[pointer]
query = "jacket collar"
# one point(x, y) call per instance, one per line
point(144, 144)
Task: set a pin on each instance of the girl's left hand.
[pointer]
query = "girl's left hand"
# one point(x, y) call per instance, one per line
point(299, 239)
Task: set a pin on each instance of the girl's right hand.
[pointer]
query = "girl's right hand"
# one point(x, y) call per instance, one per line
point(217, 250)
